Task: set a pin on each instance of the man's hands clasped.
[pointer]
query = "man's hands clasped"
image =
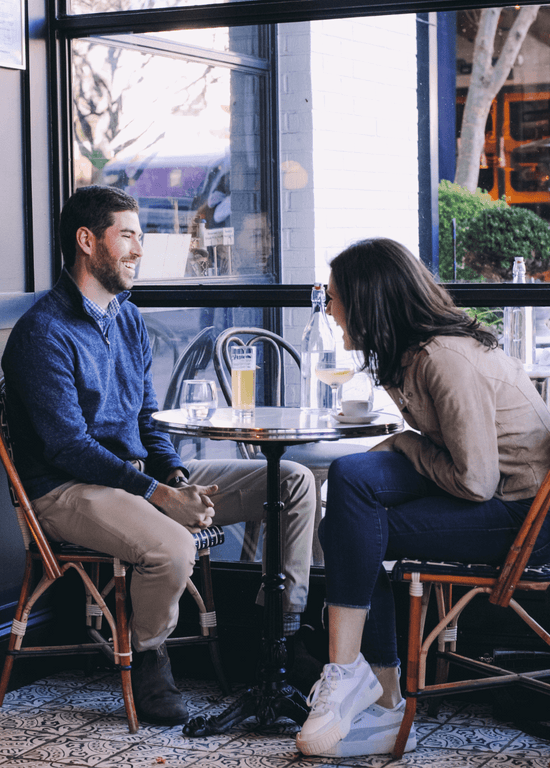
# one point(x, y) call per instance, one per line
point(189, 505)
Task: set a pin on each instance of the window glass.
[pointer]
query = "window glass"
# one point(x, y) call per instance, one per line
point(348, 121)
point(105, 6)
point(244, 40)
point(183, 137)
point(182, 344)
point(348, 136)
point(501, 206)
point(187, 132)
point(172, 331)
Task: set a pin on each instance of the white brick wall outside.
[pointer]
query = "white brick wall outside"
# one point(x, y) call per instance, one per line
point(349, 142)
point(349, 124)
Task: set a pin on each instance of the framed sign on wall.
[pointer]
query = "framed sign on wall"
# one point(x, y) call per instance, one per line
point(12, 34)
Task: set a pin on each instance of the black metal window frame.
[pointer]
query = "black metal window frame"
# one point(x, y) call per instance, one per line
point(64, 27)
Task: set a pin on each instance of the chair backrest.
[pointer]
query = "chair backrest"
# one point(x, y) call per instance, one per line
point(521, 549)
point(195, 358)
point(26, 517)
point(243, 336)
point(160, 334)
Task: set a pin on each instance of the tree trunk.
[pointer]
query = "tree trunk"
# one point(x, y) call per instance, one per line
point(485, 83)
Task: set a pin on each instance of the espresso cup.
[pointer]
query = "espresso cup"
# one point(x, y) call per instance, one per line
point(356, 409)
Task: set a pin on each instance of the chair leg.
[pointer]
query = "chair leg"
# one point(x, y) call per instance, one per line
point(18, 628)
point(413, 668)
point(121, 652)
point(251, 537)
point(318, 557)
point(446, 642)
point(447, 638)
point(405, 728)
point(124, 646)
point(211, 621)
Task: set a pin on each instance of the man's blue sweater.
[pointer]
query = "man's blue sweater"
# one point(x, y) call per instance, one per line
point(80, 403)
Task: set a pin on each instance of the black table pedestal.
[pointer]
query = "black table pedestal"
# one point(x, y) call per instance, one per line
point(273, 697)
point(267, 706)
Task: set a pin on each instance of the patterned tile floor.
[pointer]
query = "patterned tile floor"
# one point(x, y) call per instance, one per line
point(73, 720)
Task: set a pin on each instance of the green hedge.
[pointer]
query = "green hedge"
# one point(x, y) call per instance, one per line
point(462, 205)
point(496, 236)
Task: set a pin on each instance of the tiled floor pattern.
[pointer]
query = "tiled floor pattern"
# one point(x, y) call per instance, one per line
point(72, 720)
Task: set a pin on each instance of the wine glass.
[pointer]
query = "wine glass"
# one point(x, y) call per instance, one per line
point(199, 397)
point(334, 374)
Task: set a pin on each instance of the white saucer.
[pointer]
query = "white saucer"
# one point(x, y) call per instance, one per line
point(357, 419)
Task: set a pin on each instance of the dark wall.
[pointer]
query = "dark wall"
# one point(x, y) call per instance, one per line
point(25, 237)
point(12, 284)
point(12, 211)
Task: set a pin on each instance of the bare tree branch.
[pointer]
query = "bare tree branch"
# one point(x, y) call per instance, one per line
point(485, 83)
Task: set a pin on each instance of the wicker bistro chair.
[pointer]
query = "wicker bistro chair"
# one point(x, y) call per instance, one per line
point(59, 558)
point(316, 456)
point(501, 584)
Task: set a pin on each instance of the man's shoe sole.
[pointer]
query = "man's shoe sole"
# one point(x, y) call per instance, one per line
point(316, 745)
point(180, 720)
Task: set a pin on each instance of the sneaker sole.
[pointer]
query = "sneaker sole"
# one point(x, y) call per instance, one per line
point(381, 744)
point(316, 745)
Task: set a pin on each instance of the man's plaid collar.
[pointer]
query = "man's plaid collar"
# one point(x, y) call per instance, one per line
point(103, 317)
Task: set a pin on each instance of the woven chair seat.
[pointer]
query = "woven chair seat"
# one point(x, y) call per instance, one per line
point(205, 539)
point(401, 567)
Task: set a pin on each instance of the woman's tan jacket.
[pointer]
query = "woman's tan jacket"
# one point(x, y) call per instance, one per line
point(484, 429)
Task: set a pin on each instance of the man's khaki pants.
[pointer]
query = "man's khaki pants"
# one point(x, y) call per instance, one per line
point(162, 551)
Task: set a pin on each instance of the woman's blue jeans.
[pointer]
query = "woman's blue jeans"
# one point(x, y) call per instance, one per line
point(380, 508)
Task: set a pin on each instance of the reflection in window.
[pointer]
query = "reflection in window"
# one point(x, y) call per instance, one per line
point(529, 118)
point(348, 161)
point(106, 6)
point(244, 40)
point(512, 166)
point(182, 343)
point(181, 136)
point(493, 319)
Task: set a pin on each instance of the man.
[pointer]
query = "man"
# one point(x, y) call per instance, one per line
point(80, 398)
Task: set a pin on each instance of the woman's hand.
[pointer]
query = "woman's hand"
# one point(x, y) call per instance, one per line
point(385, 445)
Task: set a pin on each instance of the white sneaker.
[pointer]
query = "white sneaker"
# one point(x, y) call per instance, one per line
point(340, 694)
point(373, 732)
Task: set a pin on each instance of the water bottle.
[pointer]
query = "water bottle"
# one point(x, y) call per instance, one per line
point(519, 326)
point(318, 344)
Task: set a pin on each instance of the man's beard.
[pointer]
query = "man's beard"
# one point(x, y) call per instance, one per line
point(105, 272)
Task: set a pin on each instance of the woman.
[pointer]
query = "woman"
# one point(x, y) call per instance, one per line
point(457, 486)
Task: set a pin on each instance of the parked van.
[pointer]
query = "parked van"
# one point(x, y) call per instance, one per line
point(169, 189)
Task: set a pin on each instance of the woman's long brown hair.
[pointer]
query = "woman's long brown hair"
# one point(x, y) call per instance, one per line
point(393, 304)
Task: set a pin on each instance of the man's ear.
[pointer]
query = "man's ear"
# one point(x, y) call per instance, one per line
point(85, 239)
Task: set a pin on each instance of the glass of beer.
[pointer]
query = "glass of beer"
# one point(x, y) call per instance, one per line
point(243, 379)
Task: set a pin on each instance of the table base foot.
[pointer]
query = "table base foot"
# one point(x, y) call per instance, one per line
point(266, 706)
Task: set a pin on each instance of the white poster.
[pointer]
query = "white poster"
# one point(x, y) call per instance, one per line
point(164, 256)
point(12, 34)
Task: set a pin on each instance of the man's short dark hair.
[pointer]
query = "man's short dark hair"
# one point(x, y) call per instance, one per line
point(90, 207)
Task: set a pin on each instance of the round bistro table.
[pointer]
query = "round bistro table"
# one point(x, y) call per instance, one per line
point(273, 429)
